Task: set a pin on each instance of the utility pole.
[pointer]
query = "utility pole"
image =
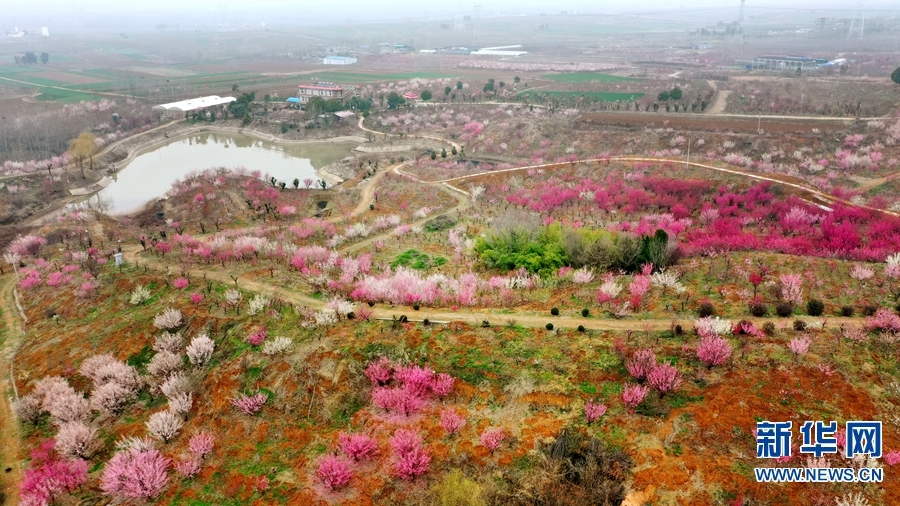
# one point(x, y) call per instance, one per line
point(858, 23)
point(687, 162)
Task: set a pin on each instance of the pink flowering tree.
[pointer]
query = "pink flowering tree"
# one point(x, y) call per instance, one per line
point(201, 444)
point(358, 446)
point(633, 394)
point(714, 350)
point(641, 363)
point(250, 404)
point(799, 346)
point(411, 459)
point(451, 421)
point(492, 438)
point(50, 476)
point(593, 411)
point(664, 378)
point(334, 472)
point(135, 474)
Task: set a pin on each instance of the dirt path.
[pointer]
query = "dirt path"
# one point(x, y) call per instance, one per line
point(9, 423)
point(473, 317)
point(875, 183)
point(718, 106)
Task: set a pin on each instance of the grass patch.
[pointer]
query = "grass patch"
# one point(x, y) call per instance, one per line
point(586, 77)
point(55, 95)
point(599, 96)
point(416, 260)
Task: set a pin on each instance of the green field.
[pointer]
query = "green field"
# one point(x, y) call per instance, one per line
point(584, 77)
point(56, 95)
point(599, 96)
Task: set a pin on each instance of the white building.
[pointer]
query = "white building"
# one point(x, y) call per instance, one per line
point(338, 60)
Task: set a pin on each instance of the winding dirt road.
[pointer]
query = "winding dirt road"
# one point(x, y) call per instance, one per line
point(9, 422)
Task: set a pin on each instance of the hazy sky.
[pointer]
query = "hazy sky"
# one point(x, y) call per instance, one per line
point(134, 13)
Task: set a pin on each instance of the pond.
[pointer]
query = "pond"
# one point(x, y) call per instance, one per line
point(151, 174)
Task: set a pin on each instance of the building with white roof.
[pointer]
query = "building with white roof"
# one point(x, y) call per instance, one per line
point(193, 104)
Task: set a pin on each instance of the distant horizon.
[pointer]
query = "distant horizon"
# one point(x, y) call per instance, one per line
point(104, 15)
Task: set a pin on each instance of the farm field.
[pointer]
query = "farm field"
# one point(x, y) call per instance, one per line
point(582, 77)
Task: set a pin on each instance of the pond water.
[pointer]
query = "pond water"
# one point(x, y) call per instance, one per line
point(151, 174)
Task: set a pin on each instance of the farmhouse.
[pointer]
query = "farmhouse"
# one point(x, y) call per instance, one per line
point(338, 60)
point(785, 62)
point(327, 91)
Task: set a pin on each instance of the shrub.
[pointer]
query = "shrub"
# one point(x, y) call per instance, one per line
point(585, 312)
point(815, 307)
point(485, 324)
point(334, 472)
point(706, 309)
point(403, 400)
point(769, 328)
point(416, 306)
point(554, 311)
point(847, 311)
point(799, 325)
point(549, 326)
point(188, 467)
point(784, 309)
point(869, 310)
point(457, 490)
point(581, 328)
point(679, 330)
point(759, 309)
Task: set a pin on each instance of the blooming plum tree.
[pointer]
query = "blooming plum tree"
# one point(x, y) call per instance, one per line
point(201, 444)
point(633, 394)
point(641, 363)
point(334, 471)
point(593, 411)
point(135, 474)
point(713, 351)
point(49, 476)
point(451, 421)
point(164, 425)
point(358, 446)
point(250, 404)
point(664, 378)
point(492, 438)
